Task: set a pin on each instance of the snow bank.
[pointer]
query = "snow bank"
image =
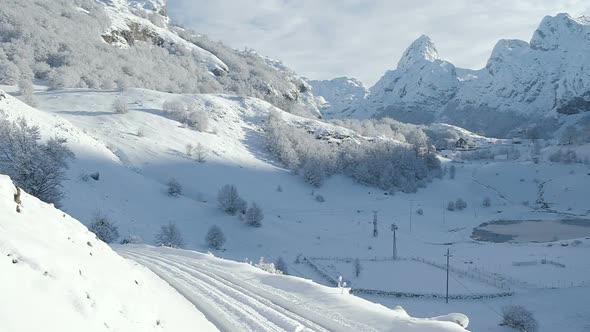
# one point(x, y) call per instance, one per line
point(310, 303)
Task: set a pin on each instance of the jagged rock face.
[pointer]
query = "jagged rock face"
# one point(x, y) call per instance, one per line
point(522, 83)
point(339, 94)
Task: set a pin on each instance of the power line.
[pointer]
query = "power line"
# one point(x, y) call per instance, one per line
point(476, 297)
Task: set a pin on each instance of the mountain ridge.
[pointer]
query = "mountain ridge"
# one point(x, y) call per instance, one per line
point(523, 85)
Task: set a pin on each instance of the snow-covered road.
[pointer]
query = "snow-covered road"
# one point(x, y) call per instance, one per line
point(233, 304)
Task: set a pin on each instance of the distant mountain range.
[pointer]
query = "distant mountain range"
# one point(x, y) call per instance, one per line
point(523, 87)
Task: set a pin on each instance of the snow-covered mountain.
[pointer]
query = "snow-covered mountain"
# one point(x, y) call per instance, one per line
point(339, 94)
point(523, 84)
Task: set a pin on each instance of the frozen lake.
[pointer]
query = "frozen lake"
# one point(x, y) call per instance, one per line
point(532, 230)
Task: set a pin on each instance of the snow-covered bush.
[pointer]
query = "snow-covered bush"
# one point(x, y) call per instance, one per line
point(174, 188)
point(487, 202)
point(519, 318)
point(320, 198)
point(254, 215)
point(169, 236)
point(567, 157)
point(230, 201)
point(281, 265)
point(215, 238)
point(420, 212)
point(104, 229)
point(268, 267)
point(460, 204)
point(451, 206)
point(120, 106)
point(191, 115)
point(38, 168)
point(132, 239)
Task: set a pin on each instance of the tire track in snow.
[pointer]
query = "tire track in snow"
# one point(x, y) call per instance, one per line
point(229, 305)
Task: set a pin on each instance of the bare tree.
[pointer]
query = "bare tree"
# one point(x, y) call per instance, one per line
point(519, 318)
point(201, 153)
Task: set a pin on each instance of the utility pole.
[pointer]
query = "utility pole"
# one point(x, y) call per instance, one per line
point(411, 208)
point(393, 229)
point(375, 231)
point(448, 255)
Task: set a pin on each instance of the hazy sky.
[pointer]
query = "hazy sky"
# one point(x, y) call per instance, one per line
point(323, 39)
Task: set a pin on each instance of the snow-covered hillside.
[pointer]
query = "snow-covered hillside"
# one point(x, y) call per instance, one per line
point(523, 84)
point(57, 276)
point(122, 43)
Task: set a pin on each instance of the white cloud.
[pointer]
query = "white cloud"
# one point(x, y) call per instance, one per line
point(322, 39)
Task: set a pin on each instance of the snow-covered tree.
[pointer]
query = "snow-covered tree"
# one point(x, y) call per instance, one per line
point(569, 135)
point(254, 215)
point(169, 236)
point(26, 89)
point(487, 202)
point(313, 172)
point(104, 229)
point(230, 201)
point(120, 106)
point(451, 206)
point(460, 204)
point(200, 153)
point(38, 168)
point(357, 267)
point(189, 149)
point(174, 188)
point(215, 238)
point(281, 265)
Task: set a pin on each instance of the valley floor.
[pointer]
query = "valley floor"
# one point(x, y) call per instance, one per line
point(138, 152)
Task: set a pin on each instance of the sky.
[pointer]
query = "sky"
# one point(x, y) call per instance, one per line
point(323, 39)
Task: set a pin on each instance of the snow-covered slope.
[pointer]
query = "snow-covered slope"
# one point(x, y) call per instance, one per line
point(340, 94)
point(147, 20)
point(133, 43)
point(57, 276)
point(522, 83)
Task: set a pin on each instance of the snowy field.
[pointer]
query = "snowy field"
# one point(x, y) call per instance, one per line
point(138, 167)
